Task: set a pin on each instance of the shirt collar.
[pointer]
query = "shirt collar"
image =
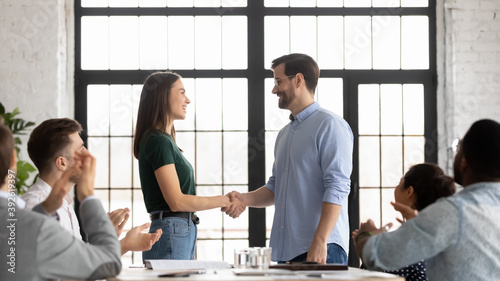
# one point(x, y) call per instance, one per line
point(19, 202)
point(305, 113)
point(47, 189)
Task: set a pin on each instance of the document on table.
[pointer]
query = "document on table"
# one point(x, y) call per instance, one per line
point(185, 264)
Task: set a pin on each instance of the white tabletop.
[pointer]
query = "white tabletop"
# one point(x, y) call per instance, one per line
point(141, 274)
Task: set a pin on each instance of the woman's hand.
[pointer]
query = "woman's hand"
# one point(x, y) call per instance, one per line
point(406, 211)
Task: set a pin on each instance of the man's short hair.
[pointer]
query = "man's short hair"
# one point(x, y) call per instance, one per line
point(481, 148)
point(49, 140)
point(6, 150)
point(300, 63)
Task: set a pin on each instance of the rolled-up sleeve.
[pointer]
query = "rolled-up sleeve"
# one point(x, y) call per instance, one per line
point(335, 144)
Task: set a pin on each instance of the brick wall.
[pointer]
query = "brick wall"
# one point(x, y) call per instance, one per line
point(36, 73)
point(470, 69)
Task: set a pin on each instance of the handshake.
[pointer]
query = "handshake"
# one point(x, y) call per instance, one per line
point(236, 204)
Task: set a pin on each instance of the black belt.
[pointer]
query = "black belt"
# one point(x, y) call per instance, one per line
point(184, 215)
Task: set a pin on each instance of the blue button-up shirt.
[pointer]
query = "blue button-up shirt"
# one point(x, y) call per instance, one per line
point(313, 164)
point(458, 236)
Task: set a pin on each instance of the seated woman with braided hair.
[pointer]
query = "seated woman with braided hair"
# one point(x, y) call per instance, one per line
point(421, 186)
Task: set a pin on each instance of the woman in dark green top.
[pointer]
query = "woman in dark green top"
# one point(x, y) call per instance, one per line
point(167, 179)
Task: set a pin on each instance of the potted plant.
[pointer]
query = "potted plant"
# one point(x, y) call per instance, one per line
point(18, 127)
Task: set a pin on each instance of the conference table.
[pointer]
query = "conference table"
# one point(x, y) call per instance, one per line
point(142, 274)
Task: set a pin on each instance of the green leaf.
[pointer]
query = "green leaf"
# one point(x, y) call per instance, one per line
point(25, 166)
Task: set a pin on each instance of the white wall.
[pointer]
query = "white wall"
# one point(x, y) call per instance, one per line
point(469, 68)
point(36, 59)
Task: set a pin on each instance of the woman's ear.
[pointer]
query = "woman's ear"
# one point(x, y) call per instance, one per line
point(410, 192)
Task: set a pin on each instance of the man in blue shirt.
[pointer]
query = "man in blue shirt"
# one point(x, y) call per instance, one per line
point(310, 180)
point(458, 235)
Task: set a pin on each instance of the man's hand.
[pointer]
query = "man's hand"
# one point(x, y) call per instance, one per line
point(406, 211)
point(317, 252)
point(119, 218)
point(237, 206)
point(85, 185)
point(60, 189)
point(136, 240)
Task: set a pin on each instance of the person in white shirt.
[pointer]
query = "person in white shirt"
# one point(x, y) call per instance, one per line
point(52, 147)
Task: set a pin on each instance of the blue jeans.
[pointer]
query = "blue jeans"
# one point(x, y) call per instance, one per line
point(177, 242)
point(335, 254)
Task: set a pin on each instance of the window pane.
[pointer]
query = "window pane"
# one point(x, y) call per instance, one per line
point(302, 3)
point(330, 94)
point(153, 42)
point(95, 43)
point(103, 196)
point(388, 212)
point(386, 42)
point(234, 3)
point(385, 3)
point(209, 163)
point(94, 3)
point(123, 42)
point(368, 109)
point(137, 179)
point(331, 42)
point(414, 151)
point(369, 162)
point(414, 3)
point(210, 220)
point(236, 228)
point(276, 117)
point(369, 202)
point(208, 42)
point(188, 123)
point(235, 158)
point(139, 215)
point(276, 3)
point(152, 3)
point(99, 148)
point(123, 3)
point(120, 110)
point(121, 162)
point(391, 110)
point(329, 3)
point(303, 35)
point(357, 3)
point(208, 104)
point(121, 199)
point(392, 161)
point(234, 42)
point(207, 3)
point(230, 246)
point(415, 42)
point(209, 250)
point(357, 33)
point(235, 103)
point(180, 3)
point(413, 109)
point(185, 141)
point(181, 42)
point(98, 110)
point(276, 38)
point(136, 98)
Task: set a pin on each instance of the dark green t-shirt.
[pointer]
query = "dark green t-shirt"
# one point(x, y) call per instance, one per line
point(157, 150)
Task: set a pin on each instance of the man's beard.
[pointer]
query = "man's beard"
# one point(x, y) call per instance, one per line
point(285, 100)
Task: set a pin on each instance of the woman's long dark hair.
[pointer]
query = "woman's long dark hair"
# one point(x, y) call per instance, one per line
point(429, 184)
point(154, 110)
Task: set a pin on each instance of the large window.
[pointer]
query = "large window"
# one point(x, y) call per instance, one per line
point(377, 60)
